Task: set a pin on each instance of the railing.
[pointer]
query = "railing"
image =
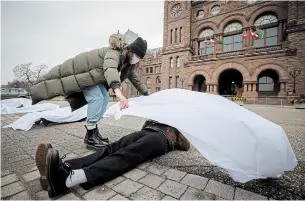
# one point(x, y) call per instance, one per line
point(257, 50)
point(230, 54)
point(268, 48)
point(268, 100)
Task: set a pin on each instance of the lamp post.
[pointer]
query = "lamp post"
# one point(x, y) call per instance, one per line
point(182, 79)
point(294, 74)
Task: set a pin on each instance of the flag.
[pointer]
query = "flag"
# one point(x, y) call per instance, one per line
point(245, 35)
point(218, 41)
point(257, 34)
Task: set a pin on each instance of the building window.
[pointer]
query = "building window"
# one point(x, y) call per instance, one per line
point(171, 36)
point(171, 62)
point(170, 82)
point(265, 84)
point(232, 41)
point(177, 81)
point(158, 80)
point(178, 61)
point(147, 70)
point(268, 25)
point(176, 30)
point(203, 36)
point(215, 10)
point(200, 14)
point(148, 81)
point(158, 89)
point(180, 34)
point(151, 70)
point(158, 69)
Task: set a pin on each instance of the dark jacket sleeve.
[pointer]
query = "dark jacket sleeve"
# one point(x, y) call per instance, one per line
point(136, 82)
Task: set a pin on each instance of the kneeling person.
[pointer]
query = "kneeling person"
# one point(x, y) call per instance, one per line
point(109, 162)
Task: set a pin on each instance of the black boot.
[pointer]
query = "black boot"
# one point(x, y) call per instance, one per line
point(92, 140)
point(57, 173)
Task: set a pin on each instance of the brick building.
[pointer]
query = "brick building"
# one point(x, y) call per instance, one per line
point(258, 67)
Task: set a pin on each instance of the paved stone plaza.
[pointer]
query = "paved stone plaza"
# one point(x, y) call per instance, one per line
point(176, 175)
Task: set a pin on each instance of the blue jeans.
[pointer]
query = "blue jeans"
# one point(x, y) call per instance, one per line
point(98, 98)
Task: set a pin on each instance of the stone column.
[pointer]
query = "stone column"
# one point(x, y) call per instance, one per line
point(219, 46)
point(245, 40)
point(282, 89)
point(251, 38)
point(245, 87)
point(196, 46)
point(280, 32)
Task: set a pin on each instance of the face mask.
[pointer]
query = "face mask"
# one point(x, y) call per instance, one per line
point(134, 59)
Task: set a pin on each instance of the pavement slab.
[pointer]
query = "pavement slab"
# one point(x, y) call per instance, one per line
point(175, 175)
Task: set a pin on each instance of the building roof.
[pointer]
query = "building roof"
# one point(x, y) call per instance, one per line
point(154, 52)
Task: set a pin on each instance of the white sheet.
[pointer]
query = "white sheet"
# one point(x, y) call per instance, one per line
point(60, 115)
point(228, 135)
point(14, 103)
point(23, 105)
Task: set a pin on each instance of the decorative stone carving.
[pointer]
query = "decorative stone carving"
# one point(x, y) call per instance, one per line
point(286, 44)
point(291, 51)
point(251, 73)
point(232, 5)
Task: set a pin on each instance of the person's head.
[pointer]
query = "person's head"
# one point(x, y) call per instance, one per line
point(116, 42)
point(136, 50)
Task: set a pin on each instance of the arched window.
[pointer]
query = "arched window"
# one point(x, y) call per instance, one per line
point(171, 36)
point(176, 30)
point(200, 14)
point(178, 61)
point(148, 81)
point(268, 82)
point(171, 62)
point(269, 27)
point(265, 83)
point(180, 34)
point(158, 80)
point(232, 40)
point(215, 10)
point(204, 36)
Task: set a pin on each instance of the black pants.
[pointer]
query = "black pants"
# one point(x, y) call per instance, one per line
point(120, 157)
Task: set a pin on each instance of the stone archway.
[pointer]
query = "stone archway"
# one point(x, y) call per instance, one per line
point(199, 84)
point(232, 65)
point(283, 74)
point(268, 83)
point(230, 82)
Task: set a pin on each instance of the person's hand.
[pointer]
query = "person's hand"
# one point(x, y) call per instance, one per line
point(121, 98)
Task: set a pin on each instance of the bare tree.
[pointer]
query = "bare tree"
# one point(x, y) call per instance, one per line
point(29, 74)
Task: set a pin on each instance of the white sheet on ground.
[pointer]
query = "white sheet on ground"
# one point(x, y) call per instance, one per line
point(247, 145)
point(60, 115)
point(23, 105)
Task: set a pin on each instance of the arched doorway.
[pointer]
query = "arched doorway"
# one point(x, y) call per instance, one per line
point(199, 84)
point(268, 83)
point(230, 82)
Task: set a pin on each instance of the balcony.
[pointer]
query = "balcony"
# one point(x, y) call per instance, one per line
point(240, 53)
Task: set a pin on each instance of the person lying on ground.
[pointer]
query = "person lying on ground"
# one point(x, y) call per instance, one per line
point(113, 160)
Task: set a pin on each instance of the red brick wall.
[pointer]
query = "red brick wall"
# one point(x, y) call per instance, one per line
point(282, 60)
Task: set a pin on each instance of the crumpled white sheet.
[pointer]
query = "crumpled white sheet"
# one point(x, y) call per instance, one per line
point(247, 145)
point(23, 105)
point(60, 115)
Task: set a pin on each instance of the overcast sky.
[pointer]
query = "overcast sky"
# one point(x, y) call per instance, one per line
point(51, 32)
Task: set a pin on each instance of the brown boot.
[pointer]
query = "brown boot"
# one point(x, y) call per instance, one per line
point(40, 159)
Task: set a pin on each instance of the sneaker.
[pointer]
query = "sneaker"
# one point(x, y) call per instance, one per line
point(57, 173)
point(40, 159)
